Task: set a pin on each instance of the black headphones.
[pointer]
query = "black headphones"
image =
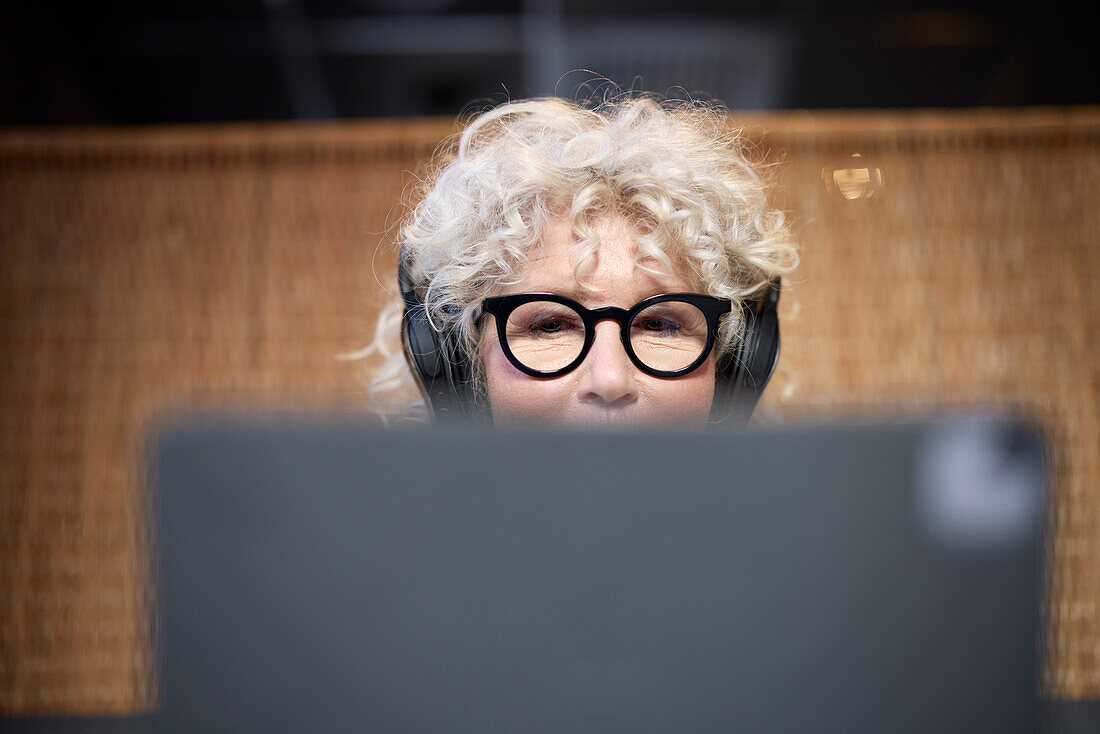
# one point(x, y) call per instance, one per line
point(741, 377)
point(442, 369)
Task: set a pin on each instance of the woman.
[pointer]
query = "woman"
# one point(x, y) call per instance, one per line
point(590, 267)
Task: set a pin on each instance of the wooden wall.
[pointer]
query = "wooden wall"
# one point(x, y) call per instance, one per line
point(953, 262)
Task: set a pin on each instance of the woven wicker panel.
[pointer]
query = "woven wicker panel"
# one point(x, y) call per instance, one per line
point(142, 270)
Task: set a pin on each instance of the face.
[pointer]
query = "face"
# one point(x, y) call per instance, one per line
point(607, 389)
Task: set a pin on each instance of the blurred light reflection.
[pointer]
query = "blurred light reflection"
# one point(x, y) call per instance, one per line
point(854, 179)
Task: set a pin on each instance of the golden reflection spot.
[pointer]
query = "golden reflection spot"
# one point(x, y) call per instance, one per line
point(855, 179)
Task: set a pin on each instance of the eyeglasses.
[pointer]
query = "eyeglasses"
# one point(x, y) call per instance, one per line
point(547, 335)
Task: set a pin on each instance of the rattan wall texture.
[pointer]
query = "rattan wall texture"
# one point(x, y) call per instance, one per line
point(949, 259)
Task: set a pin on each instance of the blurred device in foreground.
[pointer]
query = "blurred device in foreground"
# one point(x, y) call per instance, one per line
point(328, 576)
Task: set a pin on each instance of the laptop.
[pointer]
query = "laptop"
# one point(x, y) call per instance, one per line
point(321, 574)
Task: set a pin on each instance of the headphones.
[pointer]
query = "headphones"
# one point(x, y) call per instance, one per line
point(442, 369)
point(741, 376)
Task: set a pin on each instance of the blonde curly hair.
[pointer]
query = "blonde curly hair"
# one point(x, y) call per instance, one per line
point(674, 169)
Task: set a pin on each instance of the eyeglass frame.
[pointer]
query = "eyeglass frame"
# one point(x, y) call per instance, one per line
point(501, 307)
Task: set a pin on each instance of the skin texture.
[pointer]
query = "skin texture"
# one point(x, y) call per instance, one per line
point(606, 389)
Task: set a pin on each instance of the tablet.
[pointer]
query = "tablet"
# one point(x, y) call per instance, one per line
point(320, 574)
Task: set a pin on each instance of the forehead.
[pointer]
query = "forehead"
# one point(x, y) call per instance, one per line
point(617, 272)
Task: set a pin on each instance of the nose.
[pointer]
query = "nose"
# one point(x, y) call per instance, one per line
point(608, 376)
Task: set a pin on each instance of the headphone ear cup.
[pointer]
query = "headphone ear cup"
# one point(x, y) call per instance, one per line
point(438, 362)
point(741, 377)
point(421, 345)
point(764, 355)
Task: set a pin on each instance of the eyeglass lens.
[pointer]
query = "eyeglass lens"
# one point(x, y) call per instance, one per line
point(547, 336)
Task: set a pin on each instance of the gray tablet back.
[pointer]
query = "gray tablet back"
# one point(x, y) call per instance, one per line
point(328, 576)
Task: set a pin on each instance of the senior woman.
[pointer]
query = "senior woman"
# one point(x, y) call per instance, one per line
point(614, 265)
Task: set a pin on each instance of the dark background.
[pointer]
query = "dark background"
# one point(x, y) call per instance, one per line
point(126, 61)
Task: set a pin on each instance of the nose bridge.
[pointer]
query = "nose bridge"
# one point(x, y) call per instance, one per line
point(605, 346)
point(611, 338)
point(608, 374)
point(608, 352)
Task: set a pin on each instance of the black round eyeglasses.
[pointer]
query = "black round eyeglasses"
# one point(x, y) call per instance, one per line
point(548, 335)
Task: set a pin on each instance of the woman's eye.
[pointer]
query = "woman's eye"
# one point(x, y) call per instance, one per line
point(550, 326)
point(662, 325)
